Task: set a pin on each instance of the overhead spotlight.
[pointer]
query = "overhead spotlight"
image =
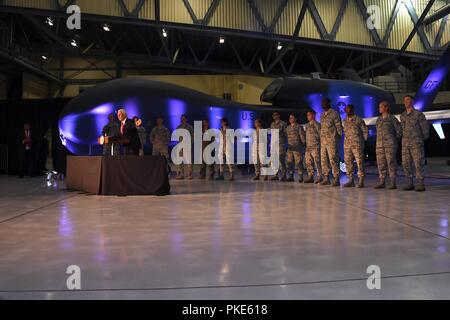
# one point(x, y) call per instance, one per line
point(221, 40)
point(73, 43)
point(164, 33)
point(279, 46)
point(44, 57)
point(106, 28)
point(49, 21)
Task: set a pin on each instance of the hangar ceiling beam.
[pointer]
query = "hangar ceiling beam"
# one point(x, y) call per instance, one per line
point(29, 66)
point(37, 24)
point(211, 10)
point(191, 12)
point(439, 14)
point(317, 19)
point(376, 65)
point(277, 15)
point(221, 31)
point(257, 15)
point(280, 56)
point(301, 17)
point(337, 23)
point(441, 30)
point(64, 7)
point(393, 17)
point(373, 32)
point(418, 28)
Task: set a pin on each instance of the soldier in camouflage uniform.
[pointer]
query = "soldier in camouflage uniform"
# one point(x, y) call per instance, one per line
point(281, 126)
point(256, 150)
point(160, 138)
point(389, 132)
point(356, 132)
point(182, 168)
point(415, 130)
point(312, 155)
point(225, 152)
point(295, 140)
point(205, 127)
point(111, 130)
point(330, 135)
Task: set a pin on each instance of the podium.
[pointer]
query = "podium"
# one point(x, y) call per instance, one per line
point(113, 142)
point(119, 175)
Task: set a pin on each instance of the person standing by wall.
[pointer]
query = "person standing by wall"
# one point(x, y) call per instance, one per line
point(356, 133)
point(312, 154)
point(111, 130)
point(295, 140)
point(142, 134)
point(415, 130)
point(160, 139)
point(182, 168)
point(225, 152)
point(330, 136)
point(26, 151)
point(281, 126)
point(389, 132)
point(205, 127)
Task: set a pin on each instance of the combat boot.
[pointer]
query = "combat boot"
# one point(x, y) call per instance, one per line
point(300, 178)
point(381, 184)
point(336, 182)
point(220, 177)
point(266, 178)
point(350, 183)
point(309, 179)
point(290, 179)
point(360, 182)
point(231, 176)
point(409, 185)
point(274, 178)
point(325, 181)
point(202, 177)
point(392, 184)
point(256, 177)
point(420, 186)
point(318, 180)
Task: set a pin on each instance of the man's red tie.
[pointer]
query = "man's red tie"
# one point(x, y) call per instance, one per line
point(121, 128)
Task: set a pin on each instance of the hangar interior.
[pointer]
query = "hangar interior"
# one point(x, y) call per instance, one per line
point(211, 240)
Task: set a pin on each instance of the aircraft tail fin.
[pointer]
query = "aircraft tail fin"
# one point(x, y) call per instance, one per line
point(430, 87)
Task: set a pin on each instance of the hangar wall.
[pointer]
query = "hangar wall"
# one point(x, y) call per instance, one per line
point(34, 87)
point(238, 15)
point(4, 84)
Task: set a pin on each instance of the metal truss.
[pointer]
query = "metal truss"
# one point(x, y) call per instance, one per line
point(178, 51)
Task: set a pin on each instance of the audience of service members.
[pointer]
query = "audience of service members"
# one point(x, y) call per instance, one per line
point(316, 144)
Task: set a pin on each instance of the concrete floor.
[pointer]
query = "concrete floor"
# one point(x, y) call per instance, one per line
point(222, 240)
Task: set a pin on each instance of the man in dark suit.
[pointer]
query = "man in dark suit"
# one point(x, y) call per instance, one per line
point(128, 131)
point(26, 151)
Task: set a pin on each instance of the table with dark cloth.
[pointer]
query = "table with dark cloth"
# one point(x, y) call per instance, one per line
point(121, 175)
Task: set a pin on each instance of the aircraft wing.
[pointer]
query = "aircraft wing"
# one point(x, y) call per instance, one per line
point(435, 117)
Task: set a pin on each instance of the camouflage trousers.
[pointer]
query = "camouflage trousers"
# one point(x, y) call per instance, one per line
point(312, 159)
point(387, 162)
point(294, 161)
point(282, 158)
point(413, 157)
point(203, 169)
point(183, 168)
point(329, 155)
point(354, 153)
point(222, 165)
point(160, 152)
